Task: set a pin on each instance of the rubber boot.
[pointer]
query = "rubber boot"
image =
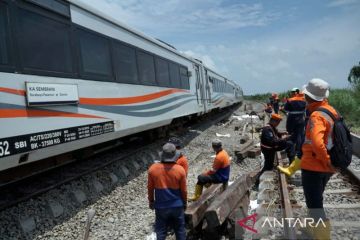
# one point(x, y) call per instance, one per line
point(322, 232)
point(294, 166)
point(198, 192)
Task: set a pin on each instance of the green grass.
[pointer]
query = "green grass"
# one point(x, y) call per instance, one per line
point(347, 102)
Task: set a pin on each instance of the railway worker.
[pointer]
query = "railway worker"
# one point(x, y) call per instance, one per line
point(275, 102)
point(167, 181)
point(316, 166)
point(295, 125)
point(268, 108)
point(182, 160)
point(220, 172)
point(271, 142)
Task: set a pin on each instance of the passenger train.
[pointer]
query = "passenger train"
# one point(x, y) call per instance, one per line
point(72, 77)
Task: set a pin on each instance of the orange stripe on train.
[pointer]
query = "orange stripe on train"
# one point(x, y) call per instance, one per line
point(13, 91)
point(17, 113)
point(128, 100)
point(109, 101)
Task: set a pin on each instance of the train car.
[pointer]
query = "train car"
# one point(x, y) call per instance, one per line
point(72, 77)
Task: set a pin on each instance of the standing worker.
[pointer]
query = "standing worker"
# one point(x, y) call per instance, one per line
point(295, 125)
point(167, 181)
point(273, 141)
point(316, 168)
point(275, 102)
point(182, 160)
point(220, 172)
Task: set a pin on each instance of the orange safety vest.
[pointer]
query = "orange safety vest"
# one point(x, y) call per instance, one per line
point(318, 139)
point(182, 161)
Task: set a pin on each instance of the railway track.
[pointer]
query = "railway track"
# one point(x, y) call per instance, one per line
point(118, 202)
point(341, 202)
point(24, 189)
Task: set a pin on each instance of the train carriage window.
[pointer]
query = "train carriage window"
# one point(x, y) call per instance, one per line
point(146, 68)
point(94, 55)
point(184, 79)
point(125, 64)
point(44, 43)
point(175, 75)
point(58, 6)
point(162, 72)
point(4, 57)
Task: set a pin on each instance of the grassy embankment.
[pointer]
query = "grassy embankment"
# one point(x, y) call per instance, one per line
point(346, 101)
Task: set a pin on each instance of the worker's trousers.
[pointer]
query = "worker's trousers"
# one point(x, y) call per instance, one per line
point(269, 156)
point(295, 126)
point(314, 185)
point(204, 179)
point(173, 218)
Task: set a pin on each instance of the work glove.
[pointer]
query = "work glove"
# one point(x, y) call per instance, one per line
point(151, 205)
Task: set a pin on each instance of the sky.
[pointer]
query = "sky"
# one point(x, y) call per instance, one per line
point(265, 46)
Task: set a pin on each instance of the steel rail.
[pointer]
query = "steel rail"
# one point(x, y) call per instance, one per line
point(25, 189)
point(290, 232)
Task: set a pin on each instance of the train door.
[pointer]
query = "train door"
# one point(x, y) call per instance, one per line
point(208, 90)
point(200, 95)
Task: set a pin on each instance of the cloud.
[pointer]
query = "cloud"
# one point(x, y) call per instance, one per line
point(290, 58)
point(261, 48)
point(206, 59)
point(182, 16)
point(340, 3)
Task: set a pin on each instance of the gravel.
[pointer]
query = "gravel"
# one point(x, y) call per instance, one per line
point(121, 208)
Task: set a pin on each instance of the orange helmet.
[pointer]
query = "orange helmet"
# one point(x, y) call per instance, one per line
point(277, 117)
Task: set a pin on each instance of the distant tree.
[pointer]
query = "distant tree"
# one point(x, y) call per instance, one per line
point(354, 76)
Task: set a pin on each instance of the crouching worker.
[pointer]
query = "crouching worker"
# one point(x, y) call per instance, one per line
point(273, 141)
point(167, 181)
point(220, 172)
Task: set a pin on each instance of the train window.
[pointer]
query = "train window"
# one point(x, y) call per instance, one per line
point(58, 6)
point(146, 68)
point(184, 78)
point(125, 64)
point(94, 55)
point(162, 72)
point(44, 43)
point(4, 56)
point(174, 75)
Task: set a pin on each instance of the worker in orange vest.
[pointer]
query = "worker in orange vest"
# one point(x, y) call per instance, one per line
point(295, 126)
point(275, 102)
point(220, 171)
point(316, 166)
point(167, 193)
point(272, 141)
point(182, 160)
